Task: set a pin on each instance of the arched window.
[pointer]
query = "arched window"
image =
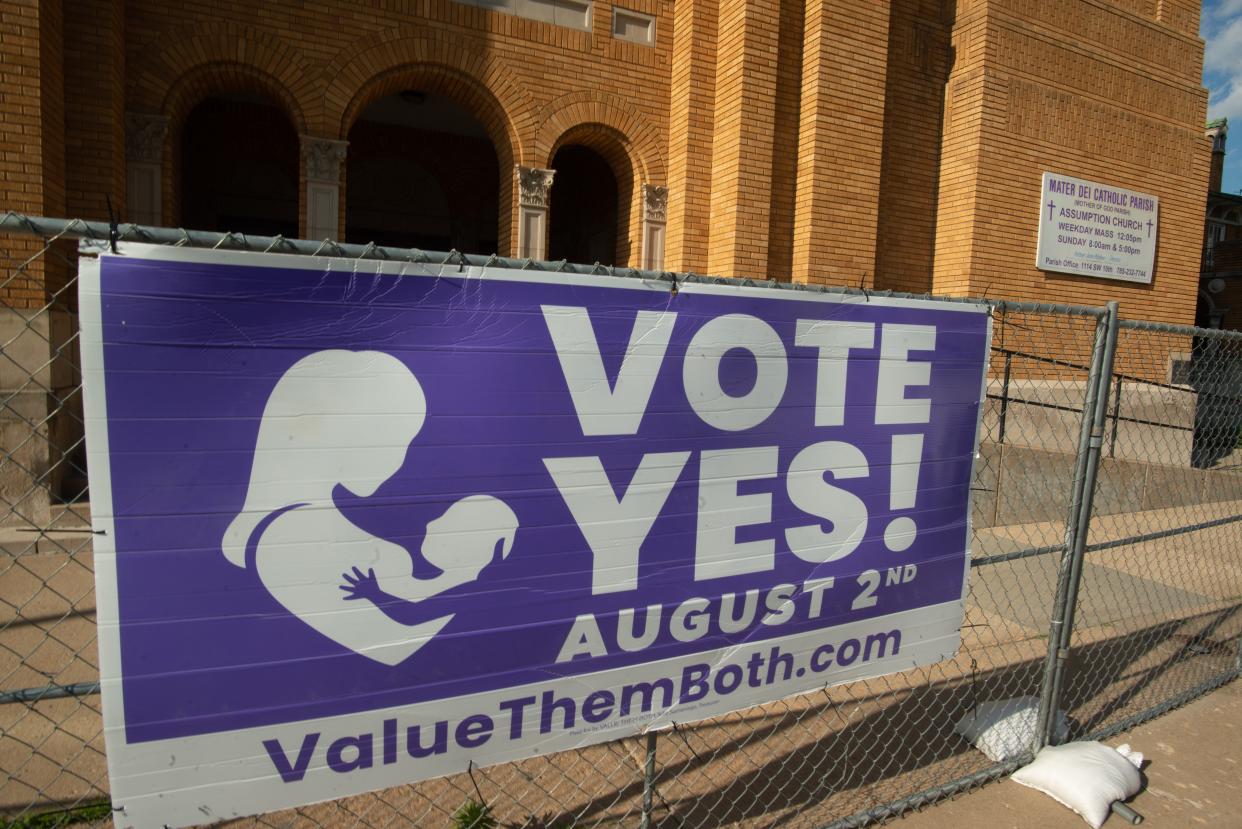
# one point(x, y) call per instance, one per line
point(421, 172)
point(239, 167)
point(583, 213)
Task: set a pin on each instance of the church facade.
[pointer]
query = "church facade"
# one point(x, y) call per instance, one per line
point(888, 145)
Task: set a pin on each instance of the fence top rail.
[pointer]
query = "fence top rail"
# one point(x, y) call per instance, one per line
point(54, 228)
point(1184, 330)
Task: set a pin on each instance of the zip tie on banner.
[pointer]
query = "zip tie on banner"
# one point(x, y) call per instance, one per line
point(677, 282)
point(227, 237)
point(113, 233)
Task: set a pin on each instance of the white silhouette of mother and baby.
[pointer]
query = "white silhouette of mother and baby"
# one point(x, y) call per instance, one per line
point(347, 418)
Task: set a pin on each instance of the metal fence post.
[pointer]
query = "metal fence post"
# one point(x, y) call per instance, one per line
point(1112, 443)
point(1090, 441)
point(1237, 662)
point(649, 773)
point(1004, 406)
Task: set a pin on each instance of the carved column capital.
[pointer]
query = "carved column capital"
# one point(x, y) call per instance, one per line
point(534, 185)
point(323, 158)
point(655, 203)
point(144, 137)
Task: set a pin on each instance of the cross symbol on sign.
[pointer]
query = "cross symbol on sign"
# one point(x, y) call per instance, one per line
point(1149, 224)
point(1051, 205)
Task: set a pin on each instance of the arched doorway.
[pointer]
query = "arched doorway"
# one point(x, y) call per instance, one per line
point(582, 214)
point(421, 172)
point(239, 167)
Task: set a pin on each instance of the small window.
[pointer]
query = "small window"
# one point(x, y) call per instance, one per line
point(572, 13)
point(635, 27)
point(575, 14)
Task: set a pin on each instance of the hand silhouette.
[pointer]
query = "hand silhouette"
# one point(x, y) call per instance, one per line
point(361, 586)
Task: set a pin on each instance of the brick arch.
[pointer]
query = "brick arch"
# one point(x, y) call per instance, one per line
point(608, 116)
point(184, 65)
point(447, 82)
point(455, 67)
point(458, 67)
point(221, 57)
point(629, 173)
point(210, 79)
point(197, 84)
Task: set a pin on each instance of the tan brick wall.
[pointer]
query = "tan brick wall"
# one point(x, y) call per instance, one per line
point(918, 68)
point(94, 109)
point(692, 94)
point(786, 119)
point(841, 139)
point(898, 145)
point(745, 106)
point(1096, 90)
point(32, 174)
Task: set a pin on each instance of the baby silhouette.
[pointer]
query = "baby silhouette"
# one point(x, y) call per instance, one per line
point(347, 418)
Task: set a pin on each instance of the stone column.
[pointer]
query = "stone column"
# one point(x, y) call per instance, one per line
point(144, 167)
point(534, 187)
point(655, 208)
point(323, 158)
point(1217, 132)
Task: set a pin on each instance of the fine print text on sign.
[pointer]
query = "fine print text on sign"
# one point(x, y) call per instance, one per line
point(1095, 229)
point(363, 524)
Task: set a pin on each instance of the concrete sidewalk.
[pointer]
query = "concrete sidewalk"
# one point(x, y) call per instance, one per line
point(1193, 778)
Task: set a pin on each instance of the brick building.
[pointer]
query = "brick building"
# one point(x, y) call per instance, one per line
point(1220, 289)
point(895, 145)
point(880, 144)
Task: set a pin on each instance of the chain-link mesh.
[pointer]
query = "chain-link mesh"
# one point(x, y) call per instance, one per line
point(51, 735)
point(1157, 617)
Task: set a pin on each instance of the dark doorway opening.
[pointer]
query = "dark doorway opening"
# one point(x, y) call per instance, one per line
point(582, 214)
point(421, 172)
point(239, 167)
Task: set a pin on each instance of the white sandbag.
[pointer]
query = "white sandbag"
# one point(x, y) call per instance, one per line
point(1004, 729)
point(1086, 776)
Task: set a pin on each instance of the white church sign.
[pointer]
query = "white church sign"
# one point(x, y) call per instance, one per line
point(1094, 229)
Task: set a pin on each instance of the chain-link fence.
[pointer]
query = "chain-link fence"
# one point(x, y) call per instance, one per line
point(1106, 581)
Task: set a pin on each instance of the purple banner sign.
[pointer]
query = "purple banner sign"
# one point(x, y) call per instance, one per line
point(367, 523)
